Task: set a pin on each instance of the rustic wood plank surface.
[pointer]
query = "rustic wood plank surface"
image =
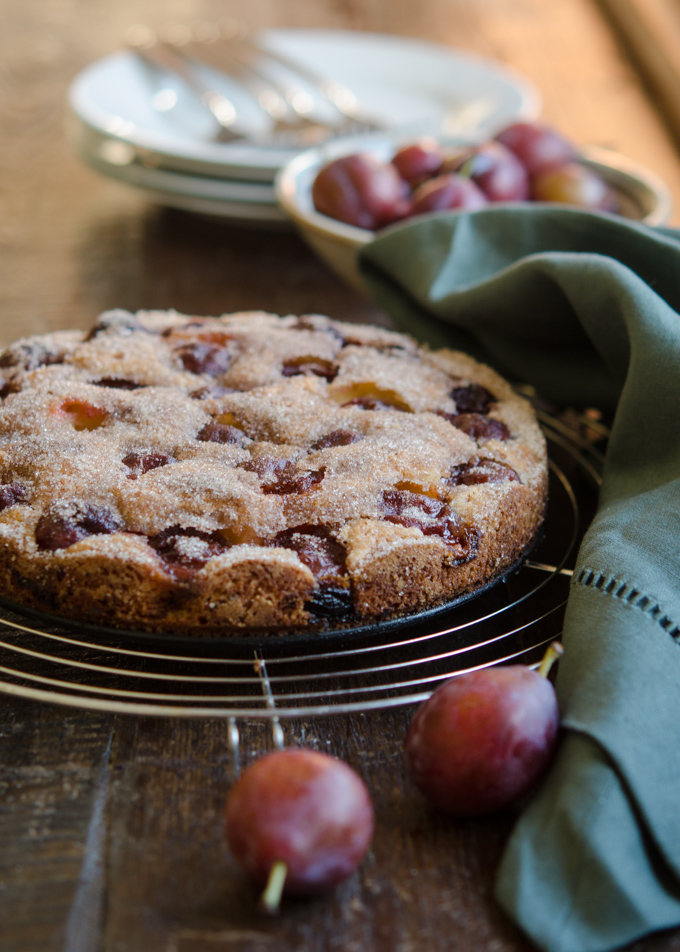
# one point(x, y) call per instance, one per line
point(110, 826)
point(650, 30)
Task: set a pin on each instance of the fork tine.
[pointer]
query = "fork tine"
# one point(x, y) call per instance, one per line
point(268, 95)
point(201, 45)
point(164, 58)
point(179, 48)
point(235, 35)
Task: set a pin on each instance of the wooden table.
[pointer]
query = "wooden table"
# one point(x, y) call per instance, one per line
point(110, 825)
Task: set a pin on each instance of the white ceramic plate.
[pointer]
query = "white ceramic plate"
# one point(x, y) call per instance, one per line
point(245, 202)
point(120, 160)
point(412, 85)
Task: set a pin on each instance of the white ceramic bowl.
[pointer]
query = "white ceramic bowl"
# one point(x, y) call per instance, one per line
point(644, 197)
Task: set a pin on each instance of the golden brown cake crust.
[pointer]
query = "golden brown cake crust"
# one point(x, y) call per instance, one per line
point(216, 475)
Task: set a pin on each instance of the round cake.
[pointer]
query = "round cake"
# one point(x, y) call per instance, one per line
point(200, 475)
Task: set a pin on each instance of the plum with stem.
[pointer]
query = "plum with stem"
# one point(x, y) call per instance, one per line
point(484, 738)
point(298, 822)
point(497, 172)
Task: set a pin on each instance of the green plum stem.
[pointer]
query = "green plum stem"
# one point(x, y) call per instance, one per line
point(270, 900)
point(555, 650)
point(467, 168)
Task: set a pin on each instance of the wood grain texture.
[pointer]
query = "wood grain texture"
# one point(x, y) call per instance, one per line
point(166, 837)
point(111, 827)
point(51, 762)
point(650, 31)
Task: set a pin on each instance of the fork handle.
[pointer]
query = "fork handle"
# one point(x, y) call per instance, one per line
point(166, 58)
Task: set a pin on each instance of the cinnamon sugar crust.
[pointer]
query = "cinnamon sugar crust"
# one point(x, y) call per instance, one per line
point(220, 475)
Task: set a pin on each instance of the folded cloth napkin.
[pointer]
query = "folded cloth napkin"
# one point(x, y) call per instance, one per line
point(585, 307)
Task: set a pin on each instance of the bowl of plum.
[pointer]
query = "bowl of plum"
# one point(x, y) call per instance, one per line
point(340, 194)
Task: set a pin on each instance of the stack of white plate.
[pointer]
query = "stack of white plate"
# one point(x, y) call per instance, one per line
point(147, 128)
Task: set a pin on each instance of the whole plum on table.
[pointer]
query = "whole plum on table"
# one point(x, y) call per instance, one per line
point(447, 191)
point(299, 821)
point(361, 190)
point(483, 739)
point(537, 146)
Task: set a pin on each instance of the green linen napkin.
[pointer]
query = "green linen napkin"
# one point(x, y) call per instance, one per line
point(585, 307)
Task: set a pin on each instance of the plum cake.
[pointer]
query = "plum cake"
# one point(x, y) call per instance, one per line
point(208, 475)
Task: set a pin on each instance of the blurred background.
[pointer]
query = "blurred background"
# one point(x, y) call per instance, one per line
point(73, 243)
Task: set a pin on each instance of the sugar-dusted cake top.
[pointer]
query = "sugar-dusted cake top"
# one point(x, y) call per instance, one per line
point(176, 445)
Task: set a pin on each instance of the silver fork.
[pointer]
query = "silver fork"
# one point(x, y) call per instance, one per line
point(227, 41)
point(167, 54)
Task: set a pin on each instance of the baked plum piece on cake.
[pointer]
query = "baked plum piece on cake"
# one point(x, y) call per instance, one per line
point(209, 475)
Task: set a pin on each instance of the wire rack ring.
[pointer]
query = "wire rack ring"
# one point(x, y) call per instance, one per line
point(379, 667)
